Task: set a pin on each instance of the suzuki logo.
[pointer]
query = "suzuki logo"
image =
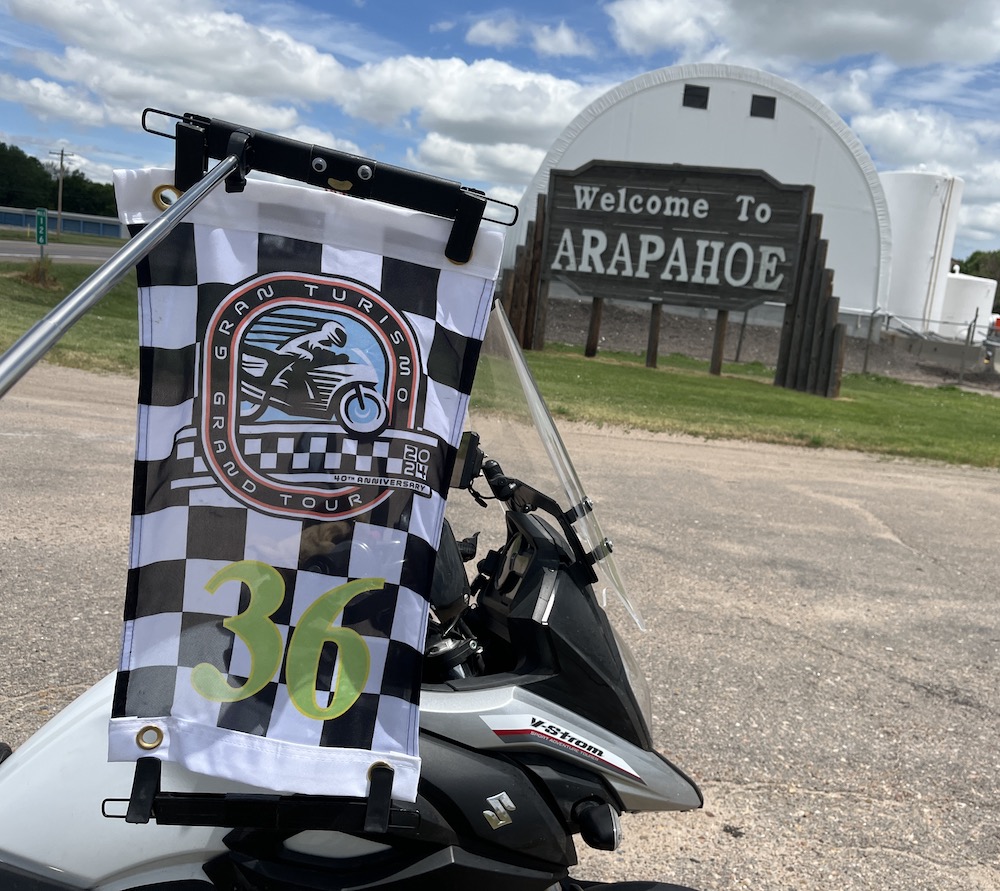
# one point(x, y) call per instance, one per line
point(500, 815)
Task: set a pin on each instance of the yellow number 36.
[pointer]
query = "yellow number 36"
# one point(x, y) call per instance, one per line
point(312, 632)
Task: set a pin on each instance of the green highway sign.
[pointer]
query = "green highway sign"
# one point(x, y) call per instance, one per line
point(41, 226)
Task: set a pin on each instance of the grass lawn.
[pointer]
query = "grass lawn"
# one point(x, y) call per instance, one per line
point(873, 414)
point(105, 339)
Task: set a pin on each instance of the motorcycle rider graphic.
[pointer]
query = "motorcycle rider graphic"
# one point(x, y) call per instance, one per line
point(322, 340)
point(309, 376)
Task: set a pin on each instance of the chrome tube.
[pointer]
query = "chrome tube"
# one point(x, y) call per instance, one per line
point(44, 334)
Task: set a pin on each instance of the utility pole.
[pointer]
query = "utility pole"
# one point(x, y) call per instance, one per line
point(62, 156)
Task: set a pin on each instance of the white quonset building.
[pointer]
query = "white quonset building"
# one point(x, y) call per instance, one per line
point(726, 116)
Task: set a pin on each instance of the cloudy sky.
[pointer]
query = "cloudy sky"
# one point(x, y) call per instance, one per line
point(480, 95)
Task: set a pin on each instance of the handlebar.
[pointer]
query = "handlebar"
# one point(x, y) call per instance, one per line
point(521, 497)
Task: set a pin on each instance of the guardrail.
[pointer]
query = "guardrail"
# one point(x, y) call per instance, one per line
point(76, 223)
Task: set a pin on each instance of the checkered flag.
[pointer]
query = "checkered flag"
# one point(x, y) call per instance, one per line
point(305, 365)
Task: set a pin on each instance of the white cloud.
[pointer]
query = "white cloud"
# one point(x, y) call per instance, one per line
point(186, 45)
point(901, 138)
point(98, 171)
point(643, 27)
point(985, 131)
point(935, 84)
point(485, 101)
point(323, 29)
point(496, 163)
point(506, 194)
point(912, 32)
point(51, 100)
point(982, 187)
point(317, 136)
point(931, 139)
point(211, 62)
point(560, 40)
point(979, 224)
point(498, 33)
point(546, 40)
point(851, 91)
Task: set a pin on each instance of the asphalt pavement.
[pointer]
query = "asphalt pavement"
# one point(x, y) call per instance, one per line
point(823, 643)
point(18, 251)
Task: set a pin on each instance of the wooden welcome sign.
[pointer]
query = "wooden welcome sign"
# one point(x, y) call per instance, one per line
point(705, 237)
point(689, 236)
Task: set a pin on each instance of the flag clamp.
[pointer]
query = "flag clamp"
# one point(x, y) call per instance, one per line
point(239, 150)
point(199, 139)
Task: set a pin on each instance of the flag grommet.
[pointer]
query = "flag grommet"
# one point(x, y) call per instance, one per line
point(166, 195)
point(149, 737)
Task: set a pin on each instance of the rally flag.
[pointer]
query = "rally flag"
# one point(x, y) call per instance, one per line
point(305, 365)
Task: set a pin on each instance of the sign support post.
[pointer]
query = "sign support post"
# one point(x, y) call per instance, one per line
point(41, 230)
point(653, 340)
point(719, 344)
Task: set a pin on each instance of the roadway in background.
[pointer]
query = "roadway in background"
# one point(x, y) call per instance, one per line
point(823, 643)
point(17, 251)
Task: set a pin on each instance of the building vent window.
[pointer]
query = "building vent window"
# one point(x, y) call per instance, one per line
point(762, 107)
point(695, 96)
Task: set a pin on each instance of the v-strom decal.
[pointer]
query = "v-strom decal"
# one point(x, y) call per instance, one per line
point(524, 729)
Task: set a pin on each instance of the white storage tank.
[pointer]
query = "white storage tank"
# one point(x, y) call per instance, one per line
point(923, 213)
point(968, 299)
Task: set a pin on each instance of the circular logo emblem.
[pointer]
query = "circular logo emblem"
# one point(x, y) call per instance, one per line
point(310, 397)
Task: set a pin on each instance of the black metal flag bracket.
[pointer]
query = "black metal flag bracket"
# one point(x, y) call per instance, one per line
point(199, 139)
point(375, 815)
point(239, 150)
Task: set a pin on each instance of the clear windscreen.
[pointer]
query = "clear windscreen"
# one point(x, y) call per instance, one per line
point(517, 430)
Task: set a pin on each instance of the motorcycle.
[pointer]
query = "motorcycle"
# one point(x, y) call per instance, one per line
point(534, 718)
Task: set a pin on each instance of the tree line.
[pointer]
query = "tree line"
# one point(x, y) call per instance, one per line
point(985, 264)
point(27, 182)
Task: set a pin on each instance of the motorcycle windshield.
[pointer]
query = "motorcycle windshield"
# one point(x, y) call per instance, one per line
point(508, 412)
